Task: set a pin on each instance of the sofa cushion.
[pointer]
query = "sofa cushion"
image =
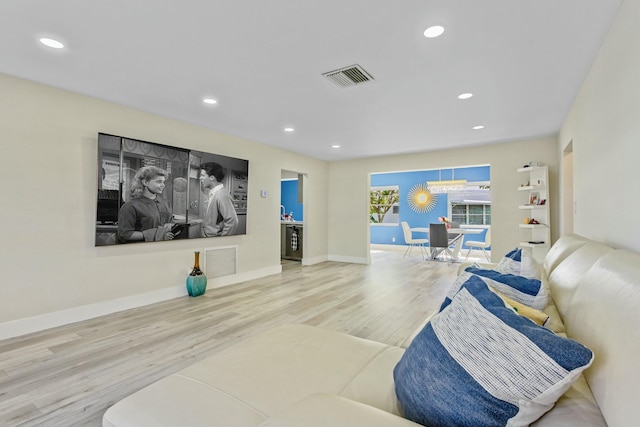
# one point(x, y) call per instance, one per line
point(569, 274)
point(178, 400)
point(526, 291)
point(263, 375)
point(604, 315)
point(563, 247)
point(502, 367)
point(328, 410)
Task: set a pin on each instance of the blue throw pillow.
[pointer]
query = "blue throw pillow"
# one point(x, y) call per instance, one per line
point(519, 263)
point(521, 289)
point(477, 363)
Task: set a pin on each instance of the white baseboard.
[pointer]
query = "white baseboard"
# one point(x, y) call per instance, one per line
point(314, 260)
point(41, 322)
point(219, 282)
point(349, 259)
point(383, 247)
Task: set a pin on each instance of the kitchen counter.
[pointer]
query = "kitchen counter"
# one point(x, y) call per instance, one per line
point(299, 223)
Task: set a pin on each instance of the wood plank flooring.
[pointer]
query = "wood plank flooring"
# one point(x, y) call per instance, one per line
point(68, 376)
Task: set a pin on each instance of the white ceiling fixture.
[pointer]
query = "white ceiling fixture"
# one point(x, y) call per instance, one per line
point(52, 43)
point(465, 95)
point(210, 101)
point(448, 185)
point(478, 127)
point(335, 146)
point(348, 76)
point(434, 31)
point(289, 129)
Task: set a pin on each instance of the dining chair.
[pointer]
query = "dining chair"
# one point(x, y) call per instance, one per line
point(439, 241)
point(454, 237)
point(480, 245)
point(409, 240)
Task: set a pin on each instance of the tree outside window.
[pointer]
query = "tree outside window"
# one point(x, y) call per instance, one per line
point(383, 205)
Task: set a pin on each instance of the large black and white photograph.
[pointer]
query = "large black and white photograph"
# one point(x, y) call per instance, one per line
point(150, 192)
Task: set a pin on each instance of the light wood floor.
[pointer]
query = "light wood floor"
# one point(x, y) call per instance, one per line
point(68, 376)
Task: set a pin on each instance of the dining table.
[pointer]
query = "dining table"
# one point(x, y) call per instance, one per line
point(458, 236)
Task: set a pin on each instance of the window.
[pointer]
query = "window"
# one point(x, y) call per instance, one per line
point(471, 214)
point(472, 206)
point(383, 205)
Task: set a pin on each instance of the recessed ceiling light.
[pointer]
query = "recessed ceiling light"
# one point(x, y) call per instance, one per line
point(434, 31)
point(478, 127)
point(466, 95)
point(335, 146)
point(55, 44)
point(210, 101)
point(289, 129)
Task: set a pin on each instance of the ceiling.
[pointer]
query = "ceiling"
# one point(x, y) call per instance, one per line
point(263, 60)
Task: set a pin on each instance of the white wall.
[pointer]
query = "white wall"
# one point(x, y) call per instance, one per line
point(48, 261)
point(604, 125)
point(349, 189)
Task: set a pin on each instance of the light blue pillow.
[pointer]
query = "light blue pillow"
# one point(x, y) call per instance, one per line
point(526, 291)
point(478, 363)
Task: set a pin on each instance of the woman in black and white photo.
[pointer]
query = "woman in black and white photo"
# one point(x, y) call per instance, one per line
point(146, 216)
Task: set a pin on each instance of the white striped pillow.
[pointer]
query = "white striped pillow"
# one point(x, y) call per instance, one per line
point(477, 363)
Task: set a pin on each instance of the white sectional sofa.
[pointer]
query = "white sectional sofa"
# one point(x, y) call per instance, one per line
point(297, 375)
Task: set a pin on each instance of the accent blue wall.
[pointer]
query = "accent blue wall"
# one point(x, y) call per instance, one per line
point(385, 234)
point(289, 198)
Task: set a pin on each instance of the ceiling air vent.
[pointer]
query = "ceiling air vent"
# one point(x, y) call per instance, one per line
point(349, 76)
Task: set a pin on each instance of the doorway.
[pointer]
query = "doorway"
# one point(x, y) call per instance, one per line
point(292, 220)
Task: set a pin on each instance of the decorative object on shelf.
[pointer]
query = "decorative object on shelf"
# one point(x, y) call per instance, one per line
point(447, 185)
point(196, 280)
point(533, 164)
point(421, 199)
point(446, 221)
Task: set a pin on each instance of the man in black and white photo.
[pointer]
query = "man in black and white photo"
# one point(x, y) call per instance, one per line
point(220, 218)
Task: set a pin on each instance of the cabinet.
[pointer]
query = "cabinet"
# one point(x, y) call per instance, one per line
point(534, 204)
point(291, 241)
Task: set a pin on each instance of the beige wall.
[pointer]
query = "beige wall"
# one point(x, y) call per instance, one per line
point(349, 183)
point(604, 125)
point(49, 263)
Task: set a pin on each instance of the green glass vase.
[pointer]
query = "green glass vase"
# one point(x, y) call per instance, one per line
point(196, 280)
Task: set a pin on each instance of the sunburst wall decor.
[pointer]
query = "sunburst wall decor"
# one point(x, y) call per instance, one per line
point(421, 199)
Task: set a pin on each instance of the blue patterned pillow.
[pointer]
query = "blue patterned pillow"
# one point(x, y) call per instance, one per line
point(525, 291)
point(519, 263)
point(510, 263)
point(477, 363)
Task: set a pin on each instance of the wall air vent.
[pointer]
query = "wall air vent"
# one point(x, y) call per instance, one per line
point(348, 76)
point(220, 262)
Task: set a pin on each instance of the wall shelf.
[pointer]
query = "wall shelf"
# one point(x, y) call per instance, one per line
point(532, 188)
point(537, 178)
point(533, 169)
point(532, 207)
